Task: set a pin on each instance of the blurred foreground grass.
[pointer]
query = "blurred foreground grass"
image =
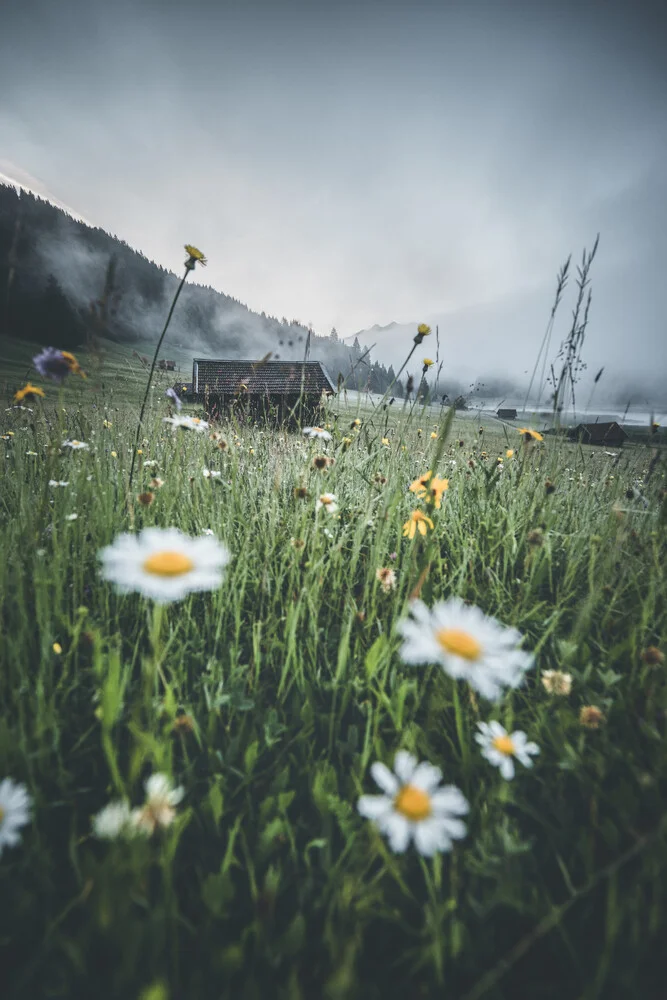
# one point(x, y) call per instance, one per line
point(277, 692)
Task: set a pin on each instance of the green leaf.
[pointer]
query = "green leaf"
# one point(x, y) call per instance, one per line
point(250, 757)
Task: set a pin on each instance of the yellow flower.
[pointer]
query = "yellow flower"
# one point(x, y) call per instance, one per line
point(424, 329)
point(435, 489)
point(140, 451)
point(530, 434)
point(427, 362)
point(346, 442)
point(28, 391)
point(57, 648)
point(195, 255)
point(509, 453)
point(114, 454)
point(419, 485)
point(416, 522)
point(434, 435)
point(251, 451)
point(385, 441)
point(107, 423)
point(73, 364)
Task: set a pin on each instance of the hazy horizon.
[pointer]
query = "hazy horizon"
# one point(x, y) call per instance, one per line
point(366, 163)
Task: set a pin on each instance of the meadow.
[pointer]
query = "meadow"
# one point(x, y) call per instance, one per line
point(274, 701)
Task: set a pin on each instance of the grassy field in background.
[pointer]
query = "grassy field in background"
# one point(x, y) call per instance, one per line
point(269, 698)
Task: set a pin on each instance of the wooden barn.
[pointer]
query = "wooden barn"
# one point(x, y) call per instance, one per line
point(276, 391)
point(508, 414)
point(609, 433)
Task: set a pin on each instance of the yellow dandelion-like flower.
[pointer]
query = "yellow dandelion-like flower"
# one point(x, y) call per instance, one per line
point(428, 362)
point(107, 424)
point(419, 485)
point(509, 453)
point(529, 434)
point(424, 329)
point(57, 648)
point(114, 454)
point(195, 255)
point(416, 522)
point(435, 490)
point(433, 435)
point(385, 442)
point(28, 391)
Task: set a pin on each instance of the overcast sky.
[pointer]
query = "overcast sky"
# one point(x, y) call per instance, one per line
point(357, 163)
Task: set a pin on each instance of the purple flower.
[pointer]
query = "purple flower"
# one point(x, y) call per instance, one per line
point(393, 555)
point(52, 364)
point(173, 395)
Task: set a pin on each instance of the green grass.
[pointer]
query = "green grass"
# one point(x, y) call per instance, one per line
point(269, 883)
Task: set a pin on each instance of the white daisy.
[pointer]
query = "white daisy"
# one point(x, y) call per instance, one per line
point(211, 473)
point(14, 812)
point(317, 432)
point(76, 445)
point(163, 563)
point(207, 531)
point(467, 644)
point(413, 807)
point(498, 746)
point(150, 463)
point(158, 809)
point(31, 452)
point(328, 501)
point(187, 423)
point(113, 821)
point(58, 482)
point(71, 517)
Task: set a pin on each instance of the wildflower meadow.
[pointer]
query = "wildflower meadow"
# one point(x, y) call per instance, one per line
point(371, 709)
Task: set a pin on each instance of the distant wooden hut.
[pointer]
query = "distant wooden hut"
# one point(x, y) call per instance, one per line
point(279, 391)
point(608, 433)
point(506, 414)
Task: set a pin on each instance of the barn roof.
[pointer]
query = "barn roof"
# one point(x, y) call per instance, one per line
point(599, 431)
point(275, 377)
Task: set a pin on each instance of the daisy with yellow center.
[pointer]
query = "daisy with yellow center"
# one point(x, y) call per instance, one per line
point(328, 501)
point(76, 445)
point(499, 747)
point(529, 434)
point(28, 391)
point(467, 644)
point(164, 564)
point(317, 432)
point(187, 423)
point(414, 806)
point(416, 522)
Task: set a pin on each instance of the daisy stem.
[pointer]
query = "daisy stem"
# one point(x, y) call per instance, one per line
point(155, 639)
point(460, 728)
